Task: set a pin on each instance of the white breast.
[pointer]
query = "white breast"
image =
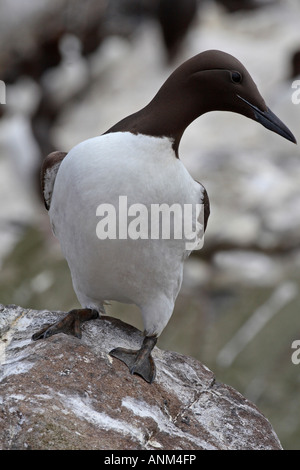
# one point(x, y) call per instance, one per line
point(145, 272)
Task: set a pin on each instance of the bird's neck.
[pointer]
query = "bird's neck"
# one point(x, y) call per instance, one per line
point(169, 113)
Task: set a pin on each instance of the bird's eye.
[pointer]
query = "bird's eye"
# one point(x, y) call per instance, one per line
point(236, 77)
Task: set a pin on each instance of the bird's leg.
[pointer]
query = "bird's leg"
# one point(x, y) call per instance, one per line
point(69, 325)
point(139, 361)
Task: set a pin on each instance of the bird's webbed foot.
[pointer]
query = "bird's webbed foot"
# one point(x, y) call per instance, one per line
point(69, 325)
point(139, 361)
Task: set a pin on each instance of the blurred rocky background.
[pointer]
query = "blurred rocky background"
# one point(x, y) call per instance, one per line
point(70, 70)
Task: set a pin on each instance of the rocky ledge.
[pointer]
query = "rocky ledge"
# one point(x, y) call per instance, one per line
point(66, 393)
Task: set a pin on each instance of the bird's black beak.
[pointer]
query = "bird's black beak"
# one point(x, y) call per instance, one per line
point(269, 120)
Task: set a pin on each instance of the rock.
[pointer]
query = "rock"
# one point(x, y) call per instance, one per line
point(68, 393)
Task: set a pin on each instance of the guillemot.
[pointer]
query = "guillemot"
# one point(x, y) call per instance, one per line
point(139, 158)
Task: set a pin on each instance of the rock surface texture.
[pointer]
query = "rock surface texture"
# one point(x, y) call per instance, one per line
point(68, 393)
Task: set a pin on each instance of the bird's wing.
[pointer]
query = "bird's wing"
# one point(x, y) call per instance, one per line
point(49, 171)
point(196, 236)
point(205, 202)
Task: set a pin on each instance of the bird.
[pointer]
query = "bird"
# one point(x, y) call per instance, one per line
point(138, 159)
point(175, 18)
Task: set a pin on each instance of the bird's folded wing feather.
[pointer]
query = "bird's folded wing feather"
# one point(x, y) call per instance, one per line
point(49, 171)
